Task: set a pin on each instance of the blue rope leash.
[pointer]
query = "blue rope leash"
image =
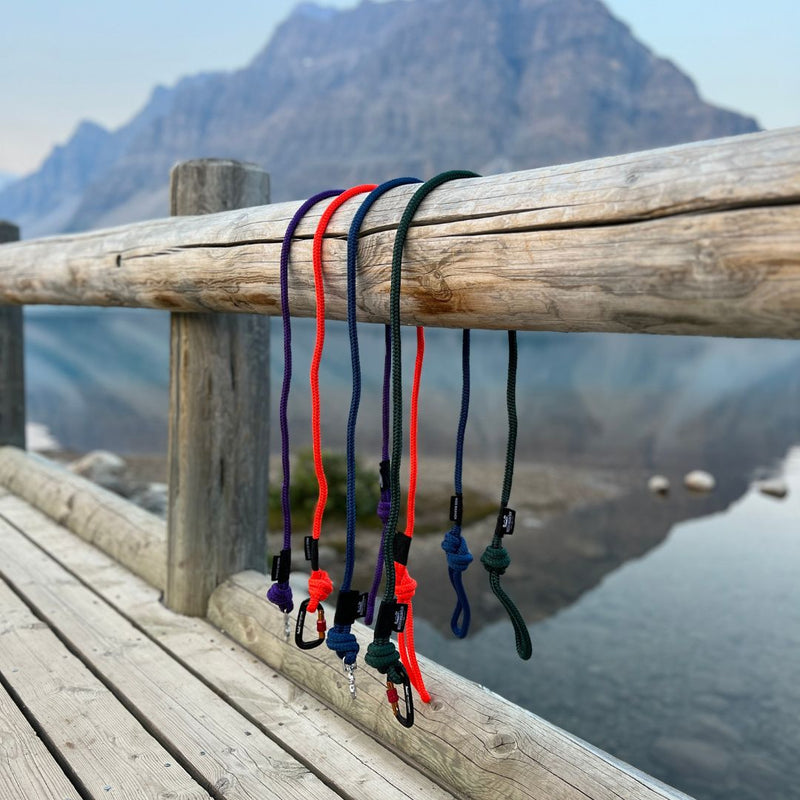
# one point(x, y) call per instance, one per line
point(454, 544)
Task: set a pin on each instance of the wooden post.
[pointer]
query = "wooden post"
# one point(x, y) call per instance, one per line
point(219, 414)
point(12, 370)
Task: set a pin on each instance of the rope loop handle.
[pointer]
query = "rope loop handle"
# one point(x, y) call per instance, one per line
point(392, 562)
point(350, 605)
point(495, 558)
point(280, 593)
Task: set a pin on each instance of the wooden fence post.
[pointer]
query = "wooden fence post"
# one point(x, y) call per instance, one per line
point(12, 370)
point(219, 414)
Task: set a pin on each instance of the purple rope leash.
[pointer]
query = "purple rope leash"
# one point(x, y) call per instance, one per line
point(280, 593)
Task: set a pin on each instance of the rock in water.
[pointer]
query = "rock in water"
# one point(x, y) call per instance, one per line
point(775, 487)
point(101, 467)
point(699, 481)
point(153, 497)
point(658, 484)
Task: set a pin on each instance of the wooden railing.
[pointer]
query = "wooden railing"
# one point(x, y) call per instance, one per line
point(696, 239)
point(701, 238)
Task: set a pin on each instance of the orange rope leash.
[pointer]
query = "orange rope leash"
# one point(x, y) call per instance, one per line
point(320, 584)
point(406, 585)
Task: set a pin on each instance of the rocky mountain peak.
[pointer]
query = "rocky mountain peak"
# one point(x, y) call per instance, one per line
point(403, 87)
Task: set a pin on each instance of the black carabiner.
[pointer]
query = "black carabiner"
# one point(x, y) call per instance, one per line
point(300, 625)
point(406, 720)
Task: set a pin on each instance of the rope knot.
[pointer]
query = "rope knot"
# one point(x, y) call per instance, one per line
point(406, 586)
point(281, 595)
point(383, 656)
point(320, 586)
point(495, 559)
point(458, 554)
point(343, 642)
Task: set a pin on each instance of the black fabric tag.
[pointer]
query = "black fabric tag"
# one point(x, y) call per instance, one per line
point(400, 616)
point(384, 622)
point(505, 522)
point(361, 608)
point(391, 618)
point(456, 508)
point(346, 607)
point(282, 566)
point(402, 544)
point(311, 547)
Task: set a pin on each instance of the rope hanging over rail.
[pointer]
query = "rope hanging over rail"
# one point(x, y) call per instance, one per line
point(495, 557)
point(320, 584)
point(280, 593)
point(349, 603)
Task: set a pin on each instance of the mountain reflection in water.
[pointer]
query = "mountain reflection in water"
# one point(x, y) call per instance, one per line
point(682, 662)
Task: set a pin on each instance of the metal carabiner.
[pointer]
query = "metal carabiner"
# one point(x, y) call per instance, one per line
point(349, 670)
point(301, 621)
point(406, 720)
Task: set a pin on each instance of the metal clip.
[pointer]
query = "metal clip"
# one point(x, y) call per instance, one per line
point(349, 670)
point(406, 720)
point(287, 626)
point(301, 621)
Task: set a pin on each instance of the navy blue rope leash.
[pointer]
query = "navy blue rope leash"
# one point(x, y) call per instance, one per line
point(280, 593)
point(454, 544)
point(350, 603)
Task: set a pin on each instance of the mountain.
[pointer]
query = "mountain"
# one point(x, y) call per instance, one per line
point(339, 97)
point(7, 178)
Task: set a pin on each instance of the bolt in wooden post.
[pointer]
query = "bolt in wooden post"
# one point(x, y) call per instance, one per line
point(219, 414)
point(12, 370)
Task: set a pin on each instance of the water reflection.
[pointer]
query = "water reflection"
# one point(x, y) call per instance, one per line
point(682, 662)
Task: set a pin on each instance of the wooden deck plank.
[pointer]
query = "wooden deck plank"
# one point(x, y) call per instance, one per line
point(355, 764)
point(476, 743)
point(107, 750)
point(217, 745)
point(27, 770)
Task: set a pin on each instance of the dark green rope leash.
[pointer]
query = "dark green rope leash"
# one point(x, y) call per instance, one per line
point(496, 558)
point(382, 653)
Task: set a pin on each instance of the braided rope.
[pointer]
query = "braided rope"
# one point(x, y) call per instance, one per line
point(496, 558)
point(340, 637)
point(280, 593)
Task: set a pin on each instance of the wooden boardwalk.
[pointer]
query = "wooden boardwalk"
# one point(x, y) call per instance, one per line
point(106, 693)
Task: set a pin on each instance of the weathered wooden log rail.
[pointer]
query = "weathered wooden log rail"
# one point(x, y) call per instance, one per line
point(696, 239)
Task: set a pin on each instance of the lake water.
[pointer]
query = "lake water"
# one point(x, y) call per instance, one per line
point(682, 663)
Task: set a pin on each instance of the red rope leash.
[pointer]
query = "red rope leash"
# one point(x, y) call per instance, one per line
point(406, 586)
point(320, 584)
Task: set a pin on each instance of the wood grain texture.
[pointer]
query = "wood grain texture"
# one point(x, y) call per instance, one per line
point(219, 415)
point(218, 746)
point(695, 239)
point(26, 767)
point(131, 535)
point(481, 745)
point(107, 750)
point(350, 759)
point(12, 372)
point(470, 740)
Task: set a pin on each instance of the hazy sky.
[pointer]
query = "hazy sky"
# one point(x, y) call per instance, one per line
point(62, 62)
